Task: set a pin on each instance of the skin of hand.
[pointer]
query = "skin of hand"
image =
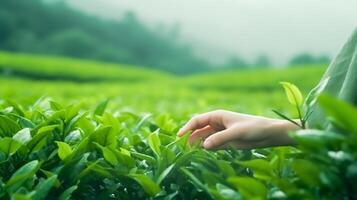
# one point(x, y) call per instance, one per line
point(220, 129)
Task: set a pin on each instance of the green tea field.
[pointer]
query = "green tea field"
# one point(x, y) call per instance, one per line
point(26, 78)
point(79, 129)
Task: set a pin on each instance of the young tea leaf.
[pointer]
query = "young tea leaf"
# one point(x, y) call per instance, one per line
point(108, 154)
point(23, 136)
point(166, 172)
point(250, 188)
point(292, 93)
point(154, 143)
point(148, 185)
point(21, 175)
point(8, 126)
point(66, 195)
point(64, 150)
point(104, 136)
point(260, 167)
point(9, 146)
point(55, 106)
point(40, 138)
point(99, 110)
point(44, 187)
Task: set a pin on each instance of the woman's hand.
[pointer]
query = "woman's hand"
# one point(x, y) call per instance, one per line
point(219, 129)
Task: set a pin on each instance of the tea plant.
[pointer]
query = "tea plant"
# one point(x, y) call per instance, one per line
point(53, 151)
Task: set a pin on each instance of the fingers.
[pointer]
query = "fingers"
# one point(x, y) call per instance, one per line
point(197, 122)
point(221, 138)
point(201, 133)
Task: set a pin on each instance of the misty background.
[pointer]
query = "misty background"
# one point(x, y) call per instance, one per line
point(182, 37)
point(279, 29)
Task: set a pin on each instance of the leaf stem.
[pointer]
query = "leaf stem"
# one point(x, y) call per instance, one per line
point(286, 118)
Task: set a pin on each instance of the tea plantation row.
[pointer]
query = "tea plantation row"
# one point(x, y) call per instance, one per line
point(51, 151)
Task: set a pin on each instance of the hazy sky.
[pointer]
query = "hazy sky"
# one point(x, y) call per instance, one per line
point(278, 28)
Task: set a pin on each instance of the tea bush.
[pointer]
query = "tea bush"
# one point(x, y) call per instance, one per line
point(74, 150)
point(52, 151)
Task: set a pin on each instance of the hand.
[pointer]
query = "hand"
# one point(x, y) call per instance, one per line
point(219, 129)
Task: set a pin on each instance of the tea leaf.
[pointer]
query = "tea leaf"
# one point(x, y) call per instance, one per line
point(23, 136)
point(99, 110)
point(66, 195)
point(9, 145)
point(166, 172)
point(108, 154)
point(154, 143)
point(194, 179)
point(343, 114)
point(44, 187)
point(64, 150)
point(104, 136)
point(8, 126)
point(56, 106)
point(250, 188)
point(307, 171)
point(40, 138)
point(292, 93)
point(21, 175)
point(148, 185)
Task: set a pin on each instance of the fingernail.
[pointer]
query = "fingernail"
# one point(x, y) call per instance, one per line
point(208, 144)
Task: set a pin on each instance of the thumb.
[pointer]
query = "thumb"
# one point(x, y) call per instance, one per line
point(220, 138)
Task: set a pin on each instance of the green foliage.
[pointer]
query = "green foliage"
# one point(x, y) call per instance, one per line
point(70, 154)
point(342, 114)
point(74, 146)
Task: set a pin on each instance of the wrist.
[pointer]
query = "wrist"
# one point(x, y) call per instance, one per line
point(280, 131)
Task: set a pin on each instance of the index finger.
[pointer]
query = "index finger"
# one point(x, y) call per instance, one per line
point(198, 121)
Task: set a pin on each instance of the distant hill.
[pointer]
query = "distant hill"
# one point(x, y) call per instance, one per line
point(54, 28)
point(53, 68)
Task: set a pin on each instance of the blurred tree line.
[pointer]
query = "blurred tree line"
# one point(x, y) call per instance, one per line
point(306, 58)
point(52, 27)
point(234, 62)
point(263, 61)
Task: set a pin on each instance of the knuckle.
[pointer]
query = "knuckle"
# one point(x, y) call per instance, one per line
point(215, 140)
point(195, 118)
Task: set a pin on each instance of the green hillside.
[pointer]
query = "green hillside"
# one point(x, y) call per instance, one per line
point(61, 68)
point(306, 76)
